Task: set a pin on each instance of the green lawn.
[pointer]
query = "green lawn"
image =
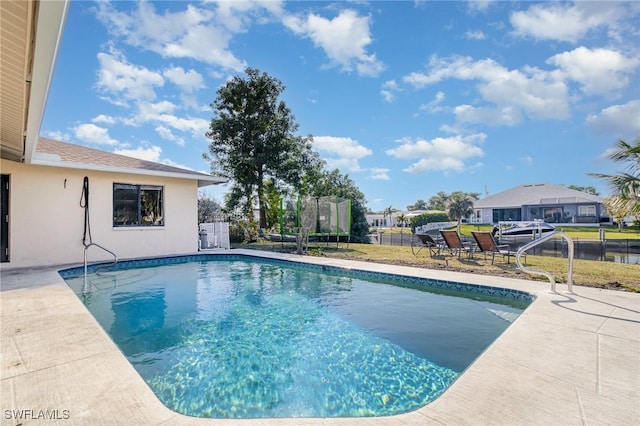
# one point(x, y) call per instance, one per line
point(589, 273)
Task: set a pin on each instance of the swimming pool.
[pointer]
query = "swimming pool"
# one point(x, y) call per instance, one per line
point(231, 336)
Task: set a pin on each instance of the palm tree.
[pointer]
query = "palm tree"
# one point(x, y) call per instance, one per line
point(625, 185)
point(402, 218)
point(460, 205)
point(388, 212)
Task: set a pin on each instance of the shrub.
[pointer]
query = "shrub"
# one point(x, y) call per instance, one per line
point(425, 218)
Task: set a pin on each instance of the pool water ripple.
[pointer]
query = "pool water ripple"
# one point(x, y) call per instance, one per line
point(250, 339)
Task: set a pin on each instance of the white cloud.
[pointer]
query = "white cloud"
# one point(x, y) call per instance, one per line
point(388, 90)
point(104, 119)
point(434, 105)
point(619, 121)
point(527, 159)
point(599, 71)
point(446, 154)
point(534, 92)
point(238, 15)
point(189, 81)
point(344, 39)
point(196, 126)
point(151, 153)
point(503, 116)
point(150, 110)
point(180, 34)
point(475, 35)
point(568, 22)
point(340, 152)
point(162, 114)
point(167, 134)
point(379, 174)
point(89, 132)
point(479, 5)
point(118, 78)
point(57, 135)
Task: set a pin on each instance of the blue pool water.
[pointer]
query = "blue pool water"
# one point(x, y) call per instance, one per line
point(238, 337)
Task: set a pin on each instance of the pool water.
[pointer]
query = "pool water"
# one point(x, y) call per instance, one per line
point(253, 339)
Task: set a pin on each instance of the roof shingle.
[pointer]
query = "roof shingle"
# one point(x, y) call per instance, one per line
point(71, 153)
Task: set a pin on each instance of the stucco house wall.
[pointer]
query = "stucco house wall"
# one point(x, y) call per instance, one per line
point(46, 220)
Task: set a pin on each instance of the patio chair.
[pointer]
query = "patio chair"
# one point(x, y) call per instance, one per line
point(487, 245)
point(420, 241)
point(454, 243)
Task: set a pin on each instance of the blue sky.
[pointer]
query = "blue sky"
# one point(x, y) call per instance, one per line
point(406, 97)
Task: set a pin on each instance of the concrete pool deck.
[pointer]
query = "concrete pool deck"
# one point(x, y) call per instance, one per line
point(569, 359)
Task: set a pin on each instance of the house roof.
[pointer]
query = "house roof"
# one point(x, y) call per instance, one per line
point(536, 194)
point(62, 154)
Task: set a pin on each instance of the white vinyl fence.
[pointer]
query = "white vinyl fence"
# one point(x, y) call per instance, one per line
point(214, 235)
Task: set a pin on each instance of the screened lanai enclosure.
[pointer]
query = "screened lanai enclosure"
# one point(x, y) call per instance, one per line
point(325, 218)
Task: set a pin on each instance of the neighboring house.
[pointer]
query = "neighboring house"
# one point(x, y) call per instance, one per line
point(551, 203)
point(380, 220)
point(137, 208)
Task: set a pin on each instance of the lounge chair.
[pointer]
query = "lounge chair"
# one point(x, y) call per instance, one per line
point(487, 245)
point(420, 241)
point(454, 243)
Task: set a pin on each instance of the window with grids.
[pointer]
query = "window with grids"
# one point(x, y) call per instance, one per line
point(586, 210)
point(138, 205)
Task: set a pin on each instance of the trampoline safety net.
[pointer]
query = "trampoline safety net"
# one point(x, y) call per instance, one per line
point(318, 215)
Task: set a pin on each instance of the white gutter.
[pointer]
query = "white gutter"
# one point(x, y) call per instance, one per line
point(50, 21)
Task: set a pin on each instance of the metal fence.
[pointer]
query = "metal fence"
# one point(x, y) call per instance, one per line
point(621, 251)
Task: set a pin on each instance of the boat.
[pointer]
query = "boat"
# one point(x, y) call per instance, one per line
point(516, 229)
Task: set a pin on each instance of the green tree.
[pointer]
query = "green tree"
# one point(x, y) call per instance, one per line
point(335, 183)
point(272, 203)
point(418, 205)
point(459, 205)
point(441, 200)
point(438, 201)
point(588, 189)
point(625, 185)
point(388, 212)
point(253, 139)
point(402, 221)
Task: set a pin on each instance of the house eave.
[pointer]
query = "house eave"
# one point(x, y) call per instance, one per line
point(50, 161)
point(52, 16)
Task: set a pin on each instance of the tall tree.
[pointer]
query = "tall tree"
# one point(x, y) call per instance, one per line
point(441, 200)
point(388, 212)
point(418, 205)
point(253, 139)
point(460, 205)
point(438, 201)
point(625, 185)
